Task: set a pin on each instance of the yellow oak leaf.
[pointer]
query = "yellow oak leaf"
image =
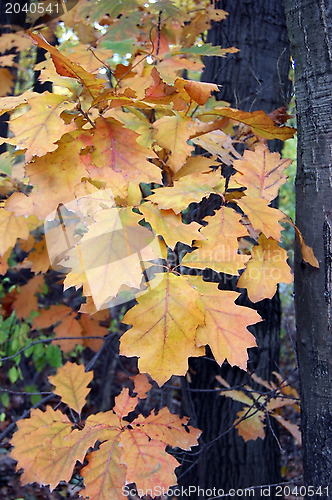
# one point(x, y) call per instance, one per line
point(219, 144)
point(259, 122)
point(10, 103)
point(38, 129)
point(225, 329)
point(11, 228)
point(71, 384)
point(4, 261)
point(169, 225)
point(261, 172)
point(39, 258)
point(164, 322)
point(262, 216)
point(173, 132)
point(196, 164)
point(123, 247)
point(266, 268)
point(219, 251)
point(252, 426)
point(89, 58)
point(307, 252)
point(188, 189)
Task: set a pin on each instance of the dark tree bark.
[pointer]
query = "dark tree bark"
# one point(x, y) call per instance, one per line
point(255, 78)
point(310, 31)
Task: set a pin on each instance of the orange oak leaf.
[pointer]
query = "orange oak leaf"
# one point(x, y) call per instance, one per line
point(188, 189)
point(173, 132)
point(196, 164)
point(307, 252)
point(39, 258)
point(164, 322)
point(11, 228)
point(261, 172)
point(169, 225)
point(38, 129)
point(4, 261)
point(65, 67)
point(71, 384)
point(32, 447)
point(259, 122)
point(219, 251)
point(141, 385)
point(124, 404)
point(26, 301)
point(262, 216)
point(200, 92)
point(147, 462)
point(91, 328)
point(266, 268)
point(225, 329)
point(47, 446)
point(168, 428)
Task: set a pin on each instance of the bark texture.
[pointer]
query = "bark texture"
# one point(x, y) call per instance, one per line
point(255, 78)
point(310, 31)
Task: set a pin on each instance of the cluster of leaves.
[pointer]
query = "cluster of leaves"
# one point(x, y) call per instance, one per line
point(114, 149)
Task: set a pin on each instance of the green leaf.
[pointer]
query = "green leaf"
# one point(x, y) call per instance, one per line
point(122, 47)
point(13, 374)
point(5, 400)
point(54, 355)
point(208, 50)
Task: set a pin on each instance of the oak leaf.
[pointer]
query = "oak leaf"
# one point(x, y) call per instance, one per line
point(11, 228)
point(262, 216)
point(261, 172)
point(225, 329)
point(259, 122)
point(38, 129)
point(169, 225)
point(164, 322)
point(219, 251)
point(189, 189)
point(266, 268)
point(71, 384)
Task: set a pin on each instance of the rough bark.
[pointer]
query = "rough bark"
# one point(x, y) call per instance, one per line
point(310, 31)
point(255, 78)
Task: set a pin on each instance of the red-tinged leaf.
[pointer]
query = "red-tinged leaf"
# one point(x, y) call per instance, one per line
point(104, 476)
point(262, 216)
point(32, 445)
point(124, 403)
point(65, 67)
point(261, 172)
point(71, 384)
point(266, 268)
point(147, 462)
point(164, 327)
point(259, 122)
point(168, 428)
point(11, 228)
point(141, 385)
point(115, 147)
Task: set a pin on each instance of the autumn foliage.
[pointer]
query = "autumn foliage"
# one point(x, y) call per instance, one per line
point(116, 149)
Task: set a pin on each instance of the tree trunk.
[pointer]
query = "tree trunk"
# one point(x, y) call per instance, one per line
point(310, 32)
point(255, 78)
